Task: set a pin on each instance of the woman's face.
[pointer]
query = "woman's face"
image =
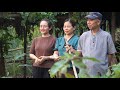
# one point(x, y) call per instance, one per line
point(68, 28)
point(44, 28)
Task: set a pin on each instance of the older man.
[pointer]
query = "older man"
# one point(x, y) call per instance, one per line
point(98, 44)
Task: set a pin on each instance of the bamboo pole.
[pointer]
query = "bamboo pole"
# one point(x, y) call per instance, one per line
point(74, 69)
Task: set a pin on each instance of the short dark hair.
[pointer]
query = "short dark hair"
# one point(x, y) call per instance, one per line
point(73, 23)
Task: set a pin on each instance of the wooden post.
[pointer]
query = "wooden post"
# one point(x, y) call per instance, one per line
point(73, 66)
point(2, 63)
point(25, 50)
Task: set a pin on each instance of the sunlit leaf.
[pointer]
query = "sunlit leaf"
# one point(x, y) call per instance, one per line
point(64, 68)
point(56, 67)
point(25, 65)
point(83, 73)
point(90, 58)
point(68, 75)
point(79, 64)
point(67, 55)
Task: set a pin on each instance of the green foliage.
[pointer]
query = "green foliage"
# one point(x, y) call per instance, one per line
point(64, 63)
point(117, 43)
point(13, 44)
point(58, 66)
point(116, 71)
point(28, 68)
point(79, 18)
point(31, 19)
point(13, 68)
point(36, 32)
point(6, 35)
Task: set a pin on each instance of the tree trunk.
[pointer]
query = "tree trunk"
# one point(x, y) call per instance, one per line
point(113, 25)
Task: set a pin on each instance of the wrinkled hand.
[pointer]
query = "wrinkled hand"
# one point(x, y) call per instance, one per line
point(69, 48)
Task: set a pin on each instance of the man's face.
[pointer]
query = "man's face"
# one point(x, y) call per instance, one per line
point(93, 23)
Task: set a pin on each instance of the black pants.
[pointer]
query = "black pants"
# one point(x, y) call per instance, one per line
point(39, 72)
point(69, 70)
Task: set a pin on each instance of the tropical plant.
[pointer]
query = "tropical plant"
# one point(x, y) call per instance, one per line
point(61, 66)
point(13, 68)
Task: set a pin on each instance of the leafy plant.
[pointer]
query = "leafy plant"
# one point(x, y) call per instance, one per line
point(14, 68)
point(113, 72)
point(61, 66)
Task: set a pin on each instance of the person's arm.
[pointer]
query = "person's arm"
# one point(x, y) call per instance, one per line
point(111, 59)
point(55, 56)
point(80, 53)
point(33, 57)
point(79, 47)
point(111, 51)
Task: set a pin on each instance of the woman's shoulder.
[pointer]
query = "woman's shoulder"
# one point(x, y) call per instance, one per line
point(53, 37)
point(37, 38)
point(61, 37)
point(76, 36)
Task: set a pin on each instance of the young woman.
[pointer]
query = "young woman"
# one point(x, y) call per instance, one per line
point(42, 46)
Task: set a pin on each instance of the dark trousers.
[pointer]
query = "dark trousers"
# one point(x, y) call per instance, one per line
point(39, 72)
point(70, 71)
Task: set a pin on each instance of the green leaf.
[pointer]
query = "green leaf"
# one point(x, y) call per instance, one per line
point(68, 56)
point(25, 65)
point(79, 64)
point(17, 57)
point(68, 75)
point(83, 73)
point(57, 67)
point(90, 58)
point(64, 68)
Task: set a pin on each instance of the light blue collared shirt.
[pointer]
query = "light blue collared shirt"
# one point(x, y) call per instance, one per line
point(98, 46)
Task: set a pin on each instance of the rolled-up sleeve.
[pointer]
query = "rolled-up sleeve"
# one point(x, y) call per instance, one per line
point(79, 47)
point(111, 46)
